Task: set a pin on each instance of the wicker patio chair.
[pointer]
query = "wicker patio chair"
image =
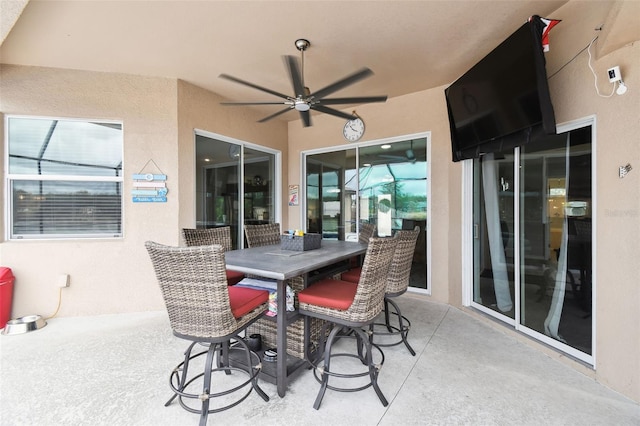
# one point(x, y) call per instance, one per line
point(367, 230)
point(206, 237)
point(203, 309)
point(397, 283)
point(349, 308)
point(262, 235)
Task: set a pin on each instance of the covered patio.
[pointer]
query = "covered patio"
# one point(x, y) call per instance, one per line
point(114, 369)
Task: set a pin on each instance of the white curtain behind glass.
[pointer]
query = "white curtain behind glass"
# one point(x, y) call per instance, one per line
point(494, 232)
point(552, 322)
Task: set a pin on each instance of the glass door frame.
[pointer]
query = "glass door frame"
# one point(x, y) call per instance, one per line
point(357, 146)
point(277, 184)
point(468, 248)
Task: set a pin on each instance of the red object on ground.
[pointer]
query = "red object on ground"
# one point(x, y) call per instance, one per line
point(6, 295)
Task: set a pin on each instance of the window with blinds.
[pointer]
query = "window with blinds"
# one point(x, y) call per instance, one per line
point(64, 178)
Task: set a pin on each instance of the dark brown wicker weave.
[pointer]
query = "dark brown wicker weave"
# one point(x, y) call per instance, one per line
point(397, 283)
point(367, 304)
point(206, 237)
point(262, 235)
point(194, 288)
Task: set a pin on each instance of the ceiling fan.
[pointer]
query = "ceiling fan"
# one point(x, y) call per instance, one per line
point(303, 100)
point(409, 155)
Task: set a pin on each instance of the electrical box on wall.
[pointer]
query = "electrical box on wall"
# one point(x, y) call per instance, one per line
point(63, 280)
point(614, 74)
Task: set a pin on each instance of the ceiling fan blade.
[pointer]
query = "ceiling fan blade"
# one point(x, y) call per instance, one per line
point(306, 118)
point(255, 86)
point(340, 84)
point(269, 117)
point(257, 103)
point(295, 75)
point(332, 111)
point(355, 100)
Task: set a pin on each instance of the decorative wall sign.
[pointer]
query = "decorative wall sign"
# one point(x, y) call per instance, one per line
point(149, 187)
point(293, 195)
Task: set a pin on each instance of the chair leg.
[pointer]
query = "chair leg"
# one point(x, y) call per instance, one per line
point(223, 357)
point(206, 387)
point(254, 379)
point(373, 369)
point(327, 362)
point(183, 379)
point(360, 346)
point(404, 328)
point(386, 315)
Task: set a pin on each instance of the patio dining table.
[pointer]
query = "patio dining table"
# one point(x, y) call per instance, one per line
point(274, 263)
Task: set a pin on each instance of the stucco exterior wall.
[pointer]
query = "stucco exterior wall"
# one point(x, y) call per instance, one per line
point(199, 109)
point(617, 212)
point(107, 276)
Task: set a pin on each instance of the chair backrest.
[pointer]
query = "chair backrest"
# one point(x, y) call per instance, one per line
point(206, 237)
point(400, 270)
point(369, 299)
point(367, 230)
point(262, 235)
point(193, 283)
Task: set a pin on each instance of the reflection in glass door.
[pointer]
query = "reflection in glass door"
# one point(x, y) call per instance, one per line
point(259, 171)
point(383, 184)
point(228, 194)
point(330, 209)
point(556, 203)
point(532, 239)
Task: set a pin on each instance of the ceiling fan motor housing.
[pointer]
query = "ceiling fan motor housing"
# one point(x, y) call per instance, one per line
point(302, 44)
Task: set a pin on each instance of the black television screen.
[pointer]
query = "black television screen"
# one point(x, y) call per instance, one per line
point(503, 101)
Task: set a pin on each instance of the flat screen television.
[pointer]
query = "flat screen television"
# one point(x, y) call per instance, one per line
point(503, 101)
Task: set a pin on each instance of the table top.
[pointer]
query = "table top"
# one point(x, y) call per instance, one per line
point(273, 262)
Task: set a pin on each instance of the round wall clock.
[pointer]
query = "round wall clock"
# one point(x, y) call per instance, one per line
point(353, 129)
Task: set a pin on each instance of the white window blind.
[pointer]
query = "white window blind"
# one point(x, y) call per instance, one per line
point(64, 178)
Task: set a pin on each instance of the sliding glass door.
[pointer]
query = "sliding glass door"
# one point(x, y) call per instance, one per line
point(494, 227)
point(235, 185)
point(330, 202)
point(384, 184)
point(532, 251)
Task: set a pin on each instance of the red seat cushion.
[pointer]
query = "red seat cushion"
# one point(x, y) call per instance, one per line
point(234, 277)
point(352, 275)
point(334, 294)
point(244, 300)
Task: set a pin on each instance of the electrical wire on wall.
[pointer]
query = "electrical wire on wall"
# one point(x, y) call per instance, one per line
point(595, 76)
point(59, 303)
point(572, 59)
point(619, 85)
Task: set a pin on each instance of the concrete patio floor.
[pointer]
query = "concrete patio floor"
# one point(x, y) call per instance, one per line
point(114, 370)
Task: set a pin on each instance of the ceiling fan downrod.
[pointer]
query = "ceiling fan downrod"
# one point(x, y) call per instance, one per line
point(303, 44)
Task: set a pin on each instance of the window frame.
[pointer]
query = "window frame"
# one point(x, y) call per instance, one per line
point(10, 178)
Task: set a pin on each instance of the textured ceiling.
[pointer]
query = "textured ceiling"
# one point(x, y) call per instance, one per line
point(410, 45)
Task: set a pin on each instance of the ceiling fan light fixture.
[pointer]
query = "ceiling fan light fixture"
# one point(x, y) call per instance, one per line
point(301, 105)
point(411, 156)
